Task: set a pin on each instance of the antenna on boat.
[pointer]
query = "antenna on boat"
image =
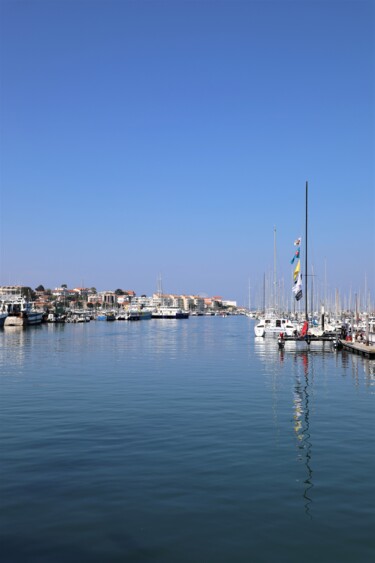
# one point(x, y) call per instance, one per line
point(306, 311)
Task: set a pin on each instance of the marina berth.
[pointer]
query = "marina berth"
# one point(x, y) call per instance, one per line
point(306, 342)
point(362, 348)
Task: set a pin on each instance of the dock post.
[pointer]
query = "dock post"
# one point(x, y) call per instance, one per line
point(367, 329)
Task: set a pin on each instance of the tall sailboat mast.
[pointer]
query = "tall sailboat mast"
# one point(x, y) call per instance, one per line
point(306, 310)
point(275, 304)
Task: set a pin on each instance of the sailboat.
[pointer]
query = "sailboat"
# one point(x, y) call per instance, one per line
point(307, 336)
point(272, 323)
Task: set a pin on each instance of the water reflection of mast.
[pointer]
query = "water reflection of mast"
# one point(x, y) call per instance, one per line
point(302, 429)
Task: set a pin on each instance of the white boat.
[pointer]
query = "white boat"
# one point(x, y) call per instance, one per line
point(55, 318)
point(309, 336)
point(21, 313)
point(272, 326)
point(122, 316)
point(273, 323)
point(169, 313)
point(83, 318)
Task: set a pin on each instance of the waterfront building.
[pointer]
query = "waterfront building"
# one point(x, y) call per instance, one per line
point(143, 302)
point(94, 299)
point(228, 303)
point(12, 290)
point(108, 298)
point(193, 303)
point(168, 300)
point(63, 292)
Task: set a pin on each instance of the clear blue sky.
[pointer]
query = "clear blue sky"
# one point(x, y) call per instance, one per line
point(171, 137)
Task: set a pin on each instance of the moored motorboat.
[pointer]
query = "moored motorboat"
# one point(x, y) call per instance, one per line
point(272, 326)
point(21, 312)
point(169, 313)
point(56, 318)
point(138, 314)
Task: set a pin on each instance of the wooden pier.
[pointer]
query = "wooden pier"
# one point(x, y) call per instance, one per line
point(309, 338)
point(367, 350)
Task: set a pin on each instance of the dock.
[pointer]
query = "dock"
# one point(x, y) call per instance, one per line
point(367, 350)
point(309, 338)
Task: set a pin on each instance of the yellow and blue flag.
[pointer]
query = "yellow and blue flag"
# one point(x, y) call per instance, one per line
point(297, 270)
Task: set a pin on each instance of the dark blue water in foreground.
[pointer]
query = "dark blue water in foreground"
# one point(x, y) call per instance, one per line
point(183, 441)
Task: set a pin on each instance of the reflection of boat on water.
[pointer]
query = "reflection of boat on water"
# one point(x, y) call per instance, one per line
point(21, 312)
point(301, 420)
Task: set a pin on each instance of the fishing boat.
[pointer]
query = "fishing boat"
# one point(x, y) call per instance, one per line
point(137, 314)
point(21, 312)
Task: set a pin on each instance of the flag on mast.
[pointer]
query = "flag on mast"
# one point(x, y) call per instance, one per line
point(297, 288)
point(296, 255)
point(297, 276)
point(297, 270)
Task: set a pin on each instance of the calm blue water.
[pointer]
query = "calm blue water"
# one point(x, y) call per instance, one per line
point(183, 441)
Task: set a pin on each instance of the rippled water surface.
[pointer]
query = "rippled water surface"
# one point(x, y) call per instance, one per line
point(183, 441)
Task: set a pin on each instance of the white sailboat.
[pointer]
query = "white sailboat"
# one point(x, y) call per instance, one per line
point(272, 323)
point(308, 336)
